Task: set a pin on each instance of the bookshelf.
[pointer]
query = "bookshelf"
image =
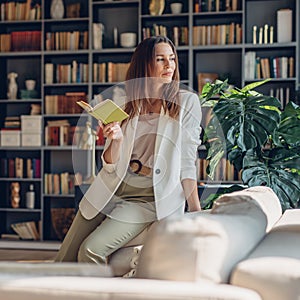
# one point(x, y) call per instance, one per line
point(68, 63)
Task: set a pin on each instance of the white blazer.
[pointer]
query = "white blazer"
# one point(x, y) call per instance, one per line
point(174, 160)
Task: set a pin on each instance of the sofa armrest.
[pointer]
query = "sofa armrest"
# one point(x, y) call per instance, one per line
point(273, 268)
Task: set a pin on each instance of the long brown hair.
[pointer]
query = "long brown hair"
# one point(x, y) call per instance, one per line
point(138, 79)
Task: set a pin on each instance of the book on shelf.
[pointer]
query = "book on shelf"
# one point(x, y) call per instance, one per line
point(19, 167)
point(106, 111)
point(57, 133)
point(26, 230)
point(12, 122)
point(59, 184)
point(49, 73)
point(73, 10)
point(10, 236)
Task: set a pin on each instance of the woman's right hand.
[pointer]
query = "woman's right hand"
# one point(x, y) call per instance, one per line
point(112, 130)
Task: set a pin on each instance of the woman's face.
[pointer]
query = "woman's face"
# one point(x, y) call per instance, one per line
point(164, 62)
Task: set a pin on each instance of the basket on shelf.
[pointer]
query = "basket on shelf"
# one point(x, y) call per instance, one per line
point(61, 220)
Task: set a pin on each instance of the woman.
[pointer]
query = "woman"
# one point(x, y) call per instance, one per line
point(149, 167)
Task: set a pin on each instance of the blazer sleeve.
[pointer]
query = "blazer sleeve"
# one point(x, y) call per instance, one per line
point(191, 130)
point(106, 166)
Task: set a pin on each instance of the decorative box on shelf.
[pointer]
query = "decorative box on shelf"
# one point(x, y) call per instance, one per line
point(31, 123)
point(10, 138)
point(31, 139)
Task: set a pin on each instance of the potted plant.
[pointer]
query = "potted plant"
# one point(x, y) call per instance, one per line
point(256, 136)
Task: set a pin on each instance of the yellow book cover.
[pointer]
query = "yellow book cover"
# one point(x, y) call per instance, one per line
point(106, 111)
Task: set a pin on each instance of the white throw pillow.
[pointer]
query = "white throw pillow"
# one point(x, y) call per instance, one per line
point(207, 245)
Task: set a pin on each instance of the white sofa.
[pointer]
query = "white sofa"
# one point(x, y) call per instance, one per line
point(242, 249)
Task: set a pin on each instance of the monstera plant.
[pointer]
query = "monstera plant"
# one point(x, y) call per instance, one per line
point(256, 136)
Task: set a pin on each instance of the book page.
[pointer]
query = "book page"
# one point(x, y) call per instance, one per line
point(106, 111)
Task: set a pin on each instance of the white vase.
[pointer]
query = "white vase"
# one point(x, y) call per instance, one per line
point(57, 9)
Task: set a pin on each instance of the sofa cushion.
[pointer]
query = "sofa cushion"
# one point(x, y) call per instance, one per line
point(15, 269)
point(207, 245)
point(79, 288)
point(273, 268)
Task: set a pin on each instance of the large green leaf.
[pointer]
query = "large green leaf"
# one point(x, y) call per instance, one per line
point(210, 90)
point(288, 132)
point(216, 145)
point(251, 86)
point(235, 156)
point(274, 169)
point(247, 122)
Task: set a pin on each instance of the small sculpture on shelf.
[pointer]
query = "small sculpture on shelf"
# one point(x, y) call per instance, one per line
point(12, 86)
point(30, 92)
point(88, 142)
point(15, 194)
point(92, 145)
point(30, 84)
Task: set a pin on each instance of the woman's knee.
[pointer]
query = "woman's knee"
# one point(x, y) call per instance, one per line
point(86, 253)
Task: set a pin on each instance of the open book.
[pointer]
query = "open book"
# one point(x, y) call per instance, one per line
point(106, 111)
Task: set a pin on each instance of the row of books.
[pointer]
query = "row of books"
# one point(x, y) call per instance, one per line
point(268, 67)
point(64, 104)
point(17, 11)
point(109, 72)
point(20, 41)
point(66, 40)
point(282, 94)
point(225, 171)
point(221, 34)
point(61, 133)
point(12, 122)
point(66, 73)
point(19, 167)
point(59, 184)
point(216, 5)
point(178, 34)
point(26, 230)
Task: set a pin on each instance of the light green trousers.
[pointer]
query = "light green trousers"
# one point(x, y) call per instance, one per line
point(128, 213)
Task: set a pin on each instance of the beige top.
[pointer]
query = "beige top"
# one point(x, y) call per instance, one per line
point(144, 143)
